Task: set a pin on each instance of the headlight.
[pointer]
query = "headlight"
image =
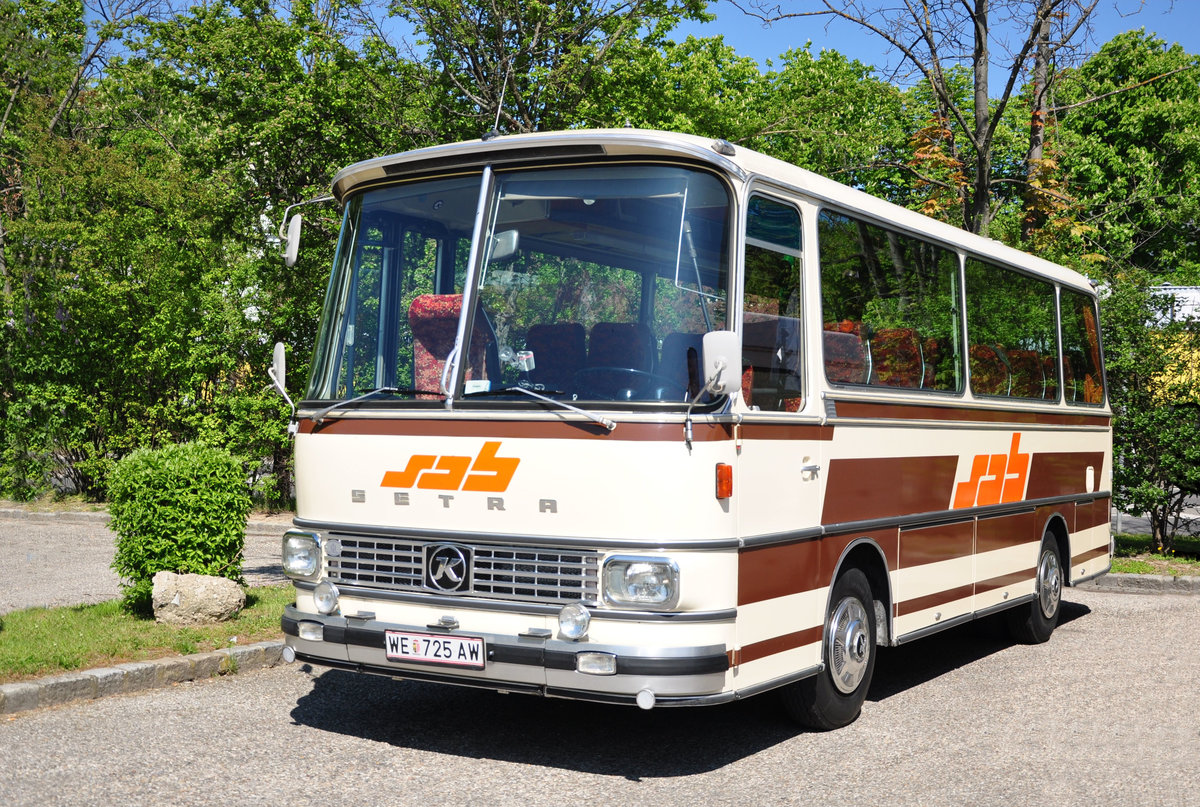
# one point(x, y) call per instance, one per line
point(301, 554)
point(651, 583)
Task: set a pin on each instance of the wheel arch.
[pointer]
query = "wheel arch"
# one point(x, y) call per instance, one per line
point(867, 556)
point(1056, 526)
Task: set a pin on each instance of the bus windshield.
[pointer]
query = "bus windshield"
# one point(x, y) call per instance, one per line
point(595, 283)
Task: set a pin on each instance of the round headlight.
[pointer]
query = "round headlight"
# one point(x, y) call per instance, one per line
point(573, 621)
point(325, 597)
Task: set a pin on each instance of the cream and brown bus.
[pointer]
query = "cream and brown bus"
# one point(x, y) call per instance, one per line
point(643, 418)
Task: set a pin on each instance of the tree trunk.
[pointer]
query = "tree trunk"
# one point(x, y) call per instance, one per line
point(978, 215)
point(1037, 125)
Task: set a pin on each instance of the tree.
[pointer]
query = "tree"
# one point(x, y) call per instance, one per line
point(934, 37)
point(530, 64)
point(1129, 126)
point(1155, 390)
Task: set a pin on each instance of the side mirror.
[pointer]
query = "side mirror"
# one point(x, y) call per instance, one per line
point(722, 362)
point(279, 367)
point(292, 248)
point(278, 373)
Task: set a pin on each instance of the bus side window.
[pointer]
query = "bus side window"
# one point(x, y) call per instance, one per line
point(1013, 335)
point(890, 307)
point(1081, 350)
point(771, 359)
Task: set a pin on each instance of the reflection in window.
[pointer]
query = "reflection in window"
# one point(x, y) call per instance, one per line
point(771, 378)
point(1011, 327)
point(1081, 350)
point(890, 304)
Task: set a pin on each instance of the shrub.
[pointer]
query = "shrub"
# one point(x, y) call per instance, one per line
point(178, 509)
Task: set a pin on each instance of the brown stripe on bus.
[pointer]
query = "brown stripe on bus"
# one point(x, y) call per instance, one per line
point(516, 429)
point(864, 489)
point(935, 544)
point(1093, 514)
point(778, 644)
point(769, 572)
point(1005, 581)
point(1062, 473)
point(909, 411)
point(934, 600)
point(1002, 532)
point(1091, 554)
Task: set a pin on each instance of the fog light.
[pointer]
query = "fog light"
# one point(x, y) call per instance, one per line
point(325, 597)
point(573, 621)
point(596, 663)
point(311, 631)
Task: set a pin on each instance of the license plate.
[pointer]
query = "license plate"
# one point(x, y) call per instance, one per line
point(428, 648)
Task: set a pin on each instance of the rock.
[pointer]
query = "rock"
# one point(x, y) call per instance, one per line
point(194, 599)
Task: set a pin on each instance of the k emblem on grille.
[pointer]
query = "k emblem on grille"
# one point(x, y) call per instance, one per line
point(448, 568)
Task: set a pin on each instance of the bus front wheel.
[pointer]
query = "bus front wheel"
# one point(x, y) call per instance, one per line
point(1033, 623)
point(834, 697)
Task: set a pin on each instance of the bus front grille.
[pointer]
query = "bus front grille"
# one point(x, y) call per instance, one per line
point(521, 573)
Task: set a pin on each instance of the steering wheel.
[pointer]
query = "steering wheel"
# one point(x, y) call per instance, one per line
point(627, 384)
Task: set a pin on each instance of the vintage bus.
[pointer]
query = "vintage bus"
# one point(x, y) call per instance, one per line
point(643, 418)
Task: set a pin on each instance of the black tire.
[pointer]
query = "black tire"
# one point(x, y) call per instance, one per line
point(1033, 622)
point(834, 697)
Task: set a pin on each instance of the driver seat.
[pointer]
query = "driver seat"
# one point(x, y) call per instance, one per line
point(621, 344)
point(433, 319)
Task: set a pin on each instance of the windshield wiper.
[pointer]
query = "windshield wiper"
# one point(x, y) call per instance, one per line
point(592, 416)
point(321, 415)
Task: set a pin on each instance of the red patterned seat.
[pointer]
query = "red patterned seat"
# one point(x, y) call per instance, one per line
point(433, 319)
point(559, 350)
point(1028, 377)
point(896, 358)
point(989, 372)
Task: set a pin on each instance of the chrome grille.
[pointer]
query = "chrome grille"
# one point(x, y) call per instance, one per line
point(537, 574)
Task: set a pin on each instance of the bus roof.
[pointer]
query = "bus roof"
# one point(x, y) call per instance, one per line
point(741, 163)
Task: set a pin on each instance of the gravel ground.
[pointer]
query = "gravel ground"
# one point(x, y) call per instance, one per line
point(1103, 715)
point(49, 559)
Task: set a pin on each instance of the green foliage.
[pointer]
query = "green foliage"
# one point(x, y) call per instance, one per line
point(1156, 406)
point(1131, 149)
point(180, 509)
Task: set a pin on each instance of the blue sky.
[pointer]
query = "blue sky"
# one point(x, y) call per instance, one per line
point(1172, 20)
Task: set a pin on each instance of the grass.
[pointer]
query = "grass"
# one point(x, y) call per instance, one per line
point(46, 641)
point(1134, 556)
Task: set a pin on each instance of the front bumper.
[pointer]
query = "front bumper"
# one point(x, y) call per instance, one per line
point(521, 663)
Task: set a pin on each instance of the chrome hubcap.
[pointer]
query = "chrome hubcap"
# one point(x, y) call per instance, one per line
point(848, 642)
point(1049, 584)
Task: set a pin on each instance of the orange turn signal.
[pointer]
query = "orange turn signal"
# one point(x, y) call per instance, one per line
point(724, 481)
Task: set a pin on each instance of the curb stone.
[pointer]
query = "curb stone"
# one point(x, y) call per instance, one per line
point(137, 676)
point(102, 518)
point(1145, 584)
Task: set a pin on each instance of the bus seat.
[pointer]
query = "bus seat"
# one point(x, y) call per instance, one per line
point(621, 344)
point(897, 358)
point(1028, 377)
point(989, 372)
point(680, 362)
point(847, 357)
point(433, 319)
point(559, 350)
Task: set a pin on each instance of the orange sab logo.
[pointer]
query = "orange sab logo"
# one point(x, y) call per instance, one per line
point(484, 472)
point(995, 478)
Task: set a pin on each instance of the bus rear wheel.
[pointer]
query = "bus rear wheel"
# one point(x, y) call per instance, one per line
point(834, 697)
point(1033, 623)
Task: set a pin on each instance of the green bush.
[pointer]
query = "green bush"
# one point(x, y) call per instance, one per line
point(178, 509)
